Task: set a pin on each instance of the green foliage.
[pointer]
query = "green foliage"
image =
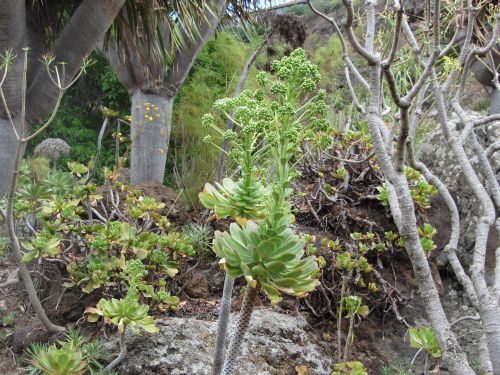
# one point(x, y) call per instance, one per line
point(425, 338)
point(145, 259)
point(4, 245)
point(241, 199)
point(350, 368)
point(395, 369)
point(72, 356)
point(124, 313)
point(353, 305)
point(215, 74)
point(112, 246)
point(328, 57)
point(59, 361)
point(482, 105)
point(427, 233)
point(421, 191)
point(9, 319)
point(272, 257)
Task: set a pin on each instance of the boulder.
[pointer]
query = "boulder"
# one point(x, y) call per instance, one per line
point(275, 344)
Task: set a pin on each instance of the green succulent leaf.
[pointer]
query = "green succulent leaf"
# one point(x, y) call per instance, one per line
point(425, 338)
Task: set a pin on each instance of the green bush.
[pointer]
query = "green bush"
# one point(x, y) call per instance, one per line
point(215, 74)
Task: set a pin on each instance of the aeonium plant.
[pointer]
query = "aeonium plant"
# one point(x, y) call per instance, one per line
point(272, 122)
point(124, 313)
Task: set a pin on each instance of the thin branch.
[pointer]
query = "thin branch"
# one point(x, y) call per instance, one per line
point(397, 34)
point(494, 147)
point(345, 55)
point(402, 138)
point(370, 25)
point(49, 121)
point(370, 57)
point(486, 119)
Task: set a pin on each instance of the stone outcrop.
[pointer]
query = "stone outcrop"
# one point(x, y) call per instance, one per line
point(275, 344)
point(440, 159)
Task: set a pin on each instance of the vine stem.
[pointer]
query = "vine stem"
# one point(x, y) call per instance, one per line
point(222, 324)
point(240, 330)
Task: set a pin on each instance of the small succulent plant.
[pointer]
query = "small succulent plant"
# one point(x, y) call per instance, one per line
point(272, 259)
point(125, 312)
point(73, 355)
point(200, 237)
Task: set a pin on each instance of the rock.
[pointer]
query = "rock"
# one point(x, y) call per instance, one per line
point(440, 159)
point(197, 285)
point(25, 336)
point(275, 344)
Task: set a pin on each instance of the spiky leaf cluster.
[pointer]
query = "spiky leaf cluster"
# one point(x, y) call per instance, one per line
point(274, 258)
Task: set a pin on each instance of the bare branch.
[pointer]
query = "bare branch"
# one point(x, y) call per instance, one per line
point(452, 245)
point(494, 147)
point(402, 138)
point(370, 57)
point(397, 34)
point(345, 56)
point(370, 25)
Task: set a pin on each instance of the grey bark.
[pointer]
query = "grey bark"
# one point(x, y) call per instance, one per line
point(8, 144)
point(495, 102)
point(150, 133)
point(488, 307)
point(78, 39)
point(453, 355)
point(13, 37)
point(123, 352)
point(222, 324)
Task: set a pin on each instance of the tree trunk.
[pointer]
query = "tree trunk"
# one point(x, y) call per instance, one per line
point(8, 144)
point(495, 102)
point(80, 36)
point(453, 355)
point(13, 37)
point(147, 81)
point(150, 133)
point(222, 324)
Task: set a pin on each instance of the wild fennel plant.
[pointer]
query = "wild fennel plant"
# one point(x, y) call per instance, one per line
point(272, 122)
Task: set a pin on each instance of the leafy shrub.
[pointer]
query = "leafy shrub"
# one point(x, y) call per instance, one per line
point(425, 338)
point(73, 355)
point(105, 240)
